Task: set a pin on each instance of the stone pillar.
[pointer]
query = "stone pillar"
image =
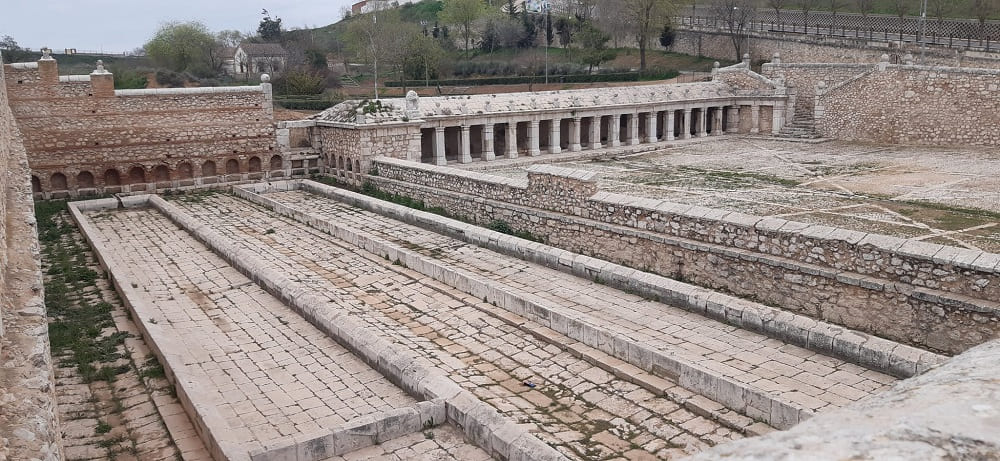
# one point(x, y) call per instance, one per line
point(512, 139)
point(439, 158)
point(48, 69)
point(668, 129)
point(755, 119)
point(102, 83)
point(533, 139)
point(686, 125)
point(734, 119)
point(466, 145)
point(633, 129)
point(616, 128)
point(651, 126)
point(488, 142)
point(574, 135)
point(595, 132)
point(777, 118)
point(717, 122)
point(555, 143)
point(703, 122)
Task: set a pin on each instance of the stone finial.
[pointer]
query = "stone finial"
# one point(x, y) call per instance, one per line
point(359, 116)
point(100, 69)
point(883, 63)
point(776, 59)
point(908, 59)
point(746, 59)
point(47, 54)
point(265, 78)
point(487, 106)
point(412, 101)
point(716, 65)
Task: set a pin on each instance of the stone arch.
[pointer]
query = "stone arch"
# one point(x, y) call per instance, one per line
point(357, 166)
point(36, 184)
point(232, 166)
point(137, 175)
point(58, 182)
point(253, 165)
point(208, 168)
point(340, 163)
point(112, 178)
point(185, 171)
point(161, 173)
point(275, 162)
point(350, 165)
point(85, 180)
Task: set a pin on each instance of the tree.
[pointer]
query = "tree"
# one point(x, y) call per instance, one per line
point(230, 38)
point(12, 52)
point(901, 7)
point(594, 42)
point(269, 29)
point(982, 10)
point(777, 6)
point(463, 13)
point(735, 16)
point(566, 27)
point(647, 17)
point(938, 8)
point(806, 6)
point(182, 46)
point(668, 35)
point(381, 40)
point(423, 59)
point(613, 20)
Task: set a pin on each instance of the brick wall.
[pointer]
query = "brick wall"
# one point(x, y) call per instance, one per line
point(929, 295)
point(914, 105)
point(82, 136)
point(28, 427)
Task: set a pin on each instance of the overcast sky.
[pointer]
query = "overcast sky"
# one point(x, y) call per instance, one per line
point(120, 25)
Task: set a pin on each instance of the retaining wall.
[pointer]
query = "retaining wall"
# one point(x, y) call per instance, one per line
point(929, 295)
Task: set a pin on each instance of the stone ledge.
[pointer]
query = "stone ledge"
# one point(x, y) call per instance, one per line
point(356, 434)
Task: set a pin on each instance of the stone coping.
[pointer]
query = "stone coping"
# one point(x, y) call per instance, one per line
point(23, 65)
point(950, 412)
point(870, 351)
point(480, 422)
point(188, 91)
point(356, 434)
point(975, 260)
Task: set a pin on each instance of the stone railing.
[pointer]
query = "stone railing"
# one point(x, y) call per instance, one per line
point(930, 295)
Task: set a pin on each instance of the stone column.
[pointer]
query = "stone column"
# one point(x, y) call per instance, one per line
point(555, 146)
point(595, 132)
point(633, 129)
point(651, 126)
point(574, 135)
point(466, 145)
point(703, 122)
point(533, 139)
point(668, 129)
point(717, 122)
point(755, 119)
point(777, 118)
point(616, 128)
point(488, 142)
point(686, 125)
point(439, 158)
point(511, 139)
point(734, 119)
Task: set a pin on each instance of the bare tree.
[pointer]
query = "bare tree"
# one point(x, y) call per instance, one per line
point(611, 19)
point(806, 6)
point(735, 16)
point(902, 7)
point(777, 6)
point(865, 7)
point(983, 9)
point(647, 18)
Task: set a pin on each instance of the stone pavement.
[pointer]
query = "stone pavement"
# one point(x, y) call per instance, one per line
point(270, 373)
point(581, 409)
point(794, 374)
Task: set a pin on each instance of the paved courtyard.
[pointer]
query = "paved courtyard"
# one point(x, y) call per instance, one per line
point(939, 195)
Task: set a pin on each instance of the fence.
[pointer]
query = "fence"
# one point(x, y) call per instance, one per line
point(950, 33)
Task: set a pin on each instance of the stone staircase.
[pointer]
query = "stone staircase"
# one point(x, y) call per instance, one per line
point(347, 80)
point(803, 126)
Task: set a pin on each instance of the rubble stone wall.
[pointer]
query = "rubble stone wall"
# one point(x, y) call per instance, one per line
point(82, 136)
point(28, 421)
point(914, 105)
point(932, 296)
point(804, 77)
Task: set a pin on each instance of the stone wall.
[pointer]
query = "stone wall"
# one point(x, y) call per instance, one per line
point(82, 136)
point(914, 105)
point(937, 297)
point(796, 48)
point(28, 426)
point(348, 150)
point(803, 77)
point(947, 413)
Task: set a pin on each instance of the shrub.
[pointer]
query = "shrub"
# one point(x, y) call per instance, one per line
point(170, 79)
